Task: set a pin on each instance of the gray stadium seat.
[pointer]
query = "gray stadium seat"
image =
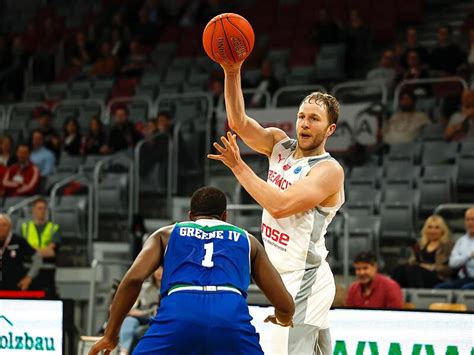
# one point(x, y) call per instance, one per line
point(396, 222)
point(401, 172)
point(403, 152)
point(366, 175)
point(80, 90)
point(69, 164)
point(57, 91)
point(433, 132)
point(69, 222)
point(363, 198)
point(278, 56)
point(422, 298)
point(438, 153)
point(467, 148)
point(466, 297)
point(434, 192)
point(34, 93)
point(300, 75)
point(330, 62)
point(465, 177)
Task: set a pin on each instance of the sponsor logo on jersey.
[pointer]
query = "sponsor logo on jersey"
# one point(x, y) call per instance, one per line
point(280, 158)
point(275, 237)
point(298, 170)
point(278, 179)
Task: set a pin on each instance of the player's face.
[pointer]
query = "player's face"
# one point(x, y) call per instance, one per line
point(4, 228)
point(312, 126)
point(469, 221)
point(365, 272)
point(434, 231)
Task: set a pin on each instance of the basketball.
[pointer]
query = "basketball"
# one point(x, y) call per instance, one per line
point(228, 38)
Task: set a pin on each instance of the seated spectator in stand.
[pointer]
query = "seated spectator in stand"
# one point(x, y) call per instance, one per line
point(325, 31)
point(41, 156)
point(95, 138)
point(6, 159)
point(462, 257)
point(136, 61)
point(143, 310)
point(446, 57)
point(358, 40)
point(217, 89)
point(385, 72)
point(412, 45)
point(372, 290)
point(266, 82)
point(468, 22)
point(15, 252)
point(461, 124)
point(106, 64)
point(13, 79)
point(415, 70)
point(404, 126)
point(43, 236)
point(52, 139)
point(123, 134)
point(428, 263)
point(145, 31)
point(72, 138)
point(23, 177)
point(82, 53)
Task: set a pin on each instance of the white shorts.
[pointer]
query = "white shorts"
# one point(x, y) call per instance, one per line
point(313, 291)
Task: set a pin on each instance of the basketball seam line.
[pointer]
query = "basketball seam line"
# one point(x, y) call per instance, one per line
point(243, 35)
point(227, 40)
point(212, 40)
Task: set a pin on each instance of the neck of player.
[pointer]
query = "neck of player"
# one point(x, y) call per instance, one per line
point(300, 153)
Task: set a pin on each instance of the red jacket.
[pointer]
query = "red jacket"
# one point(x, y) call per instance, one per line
point(21, 180)
point(385, 293)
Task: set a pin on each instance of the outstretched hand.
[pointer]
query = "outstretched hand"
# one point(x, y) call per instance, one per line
point(230, 152)
point(105, 344)
point(273, 319)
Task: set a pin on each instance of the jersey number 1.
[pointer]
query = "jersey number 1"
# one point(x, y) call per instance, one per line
point(207, 261)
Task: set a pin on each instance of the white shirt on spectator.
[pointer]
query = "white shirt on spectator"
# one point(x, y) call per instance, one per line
point(462, 256)
point(404, 127)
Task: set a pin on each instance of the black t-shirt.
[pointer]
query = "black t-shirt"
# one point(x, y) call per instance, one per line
point(12, 264)
point(428, 257)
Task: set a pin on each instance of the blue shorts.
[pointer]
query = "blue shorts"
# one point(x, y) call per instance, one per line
point(197, 322)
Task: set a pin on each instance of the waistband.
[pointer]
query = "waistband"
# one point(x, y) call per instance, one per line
point(179, 288)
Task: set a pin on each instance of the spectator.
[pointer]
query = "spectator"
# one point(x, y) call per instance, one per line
point(266, 82)
point(358, 41)
point(325, 31)
point(155, 12)
point(404, 126)
point(82, 52)
point(44, 69)
point(412, 45)
point(43, 236)
point(31, 38)
point(428, 264)
point(144, 308)
point(119, 26)
point(372, 290)
point(446, 57)
point(118, 49)
point(41, 156)
point(106, 64)
point(51, 137)
point(6, 159)
point(462, 257)
point(123, 134)
point(95, 137)
point(145, 31)
point(14, 77)
point(136, 61)
point(23, 177)
point(414, 69)
point(72, 137)
point(461, 124)
point(217, 89)
point(385, 72)
point(15, 252)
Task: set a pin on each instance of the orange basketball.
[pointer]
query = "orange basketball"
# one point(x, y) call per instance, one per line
point(228, 38)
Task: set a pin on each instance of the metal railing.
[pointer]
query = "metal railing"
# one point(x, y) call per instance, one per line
point(399, 87)
point(129, 101)
point(96, 181)
point(92, 288)
point(23, 203)
point(80, 103)
point(452, 206)
point(296, 88)
point(90, 201)
point(2, 117)
point(342, 212)
point(362, 84)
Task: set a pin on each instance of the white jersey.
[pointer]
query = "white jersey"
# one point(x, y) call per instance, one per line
point(297, 242)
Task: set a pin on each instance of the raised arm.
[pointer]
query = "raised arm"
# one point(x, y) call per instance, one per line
point(323, 181)
point(252, 133)
point(147, 261)
point(269, 281)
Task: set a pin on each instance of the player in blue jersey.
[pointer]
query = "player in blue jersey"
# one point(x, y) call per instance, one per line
point(207, 264)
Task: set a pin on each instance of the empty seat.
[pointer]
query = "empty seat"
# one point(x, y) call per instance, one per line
point(422, 298)
point(68, 220)
point(401, 172)
point(363, 236)
point(366, 175)
point(363, 196)
point(300, 75)
point(433, 192)
point(438, 153)
point(467, 148)
point(330, 62)
point(57, 91)
point(396, 222)
point(465, 176)
point(466, 297)
point(402, 152)
point(433, 132)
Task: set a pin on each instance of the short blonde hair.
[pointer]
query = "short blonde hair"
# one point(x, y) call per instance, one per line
point(444, 227)
point(329, 102)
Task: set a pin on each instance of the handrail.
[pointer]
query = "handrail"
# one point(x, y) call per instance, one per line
point(2, 117)
point(342, 212)
point(137, 158)
point(23, 203)
point(96, 176)
point(398, 89)
point(194, 95)
point(290, 88)
point(90, 200)
point(169, 176)
point(362, 84)
point(173, 163)
point(127, 99)
point(452, 206)
point(221, 105)
point(92, 285)
point(67, 102)
point(31, 104)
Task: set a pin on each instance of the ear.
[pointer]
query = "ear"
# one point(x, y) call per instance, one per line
point(330, 130)
point(223, 216)
point(191, 216)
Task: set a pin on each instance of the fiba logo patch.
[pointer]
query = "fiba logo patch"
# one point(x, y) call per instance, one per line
point(297, 170)
point(239, 47)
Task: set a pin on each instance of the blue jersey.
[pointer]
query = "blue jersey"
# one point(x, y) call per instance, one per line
point(207, 252)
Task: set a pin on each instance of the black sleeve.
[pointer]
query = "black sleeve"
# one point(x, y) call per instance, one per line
point(26, 249)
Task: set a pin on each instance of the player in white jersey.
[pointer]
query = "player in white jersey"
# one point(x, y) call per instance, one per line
point(304, 190)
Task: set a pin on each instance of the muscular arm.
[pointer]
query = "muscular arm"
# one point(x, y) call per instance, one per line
point(252, 133)
point(146, 262)
point(269, 281)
